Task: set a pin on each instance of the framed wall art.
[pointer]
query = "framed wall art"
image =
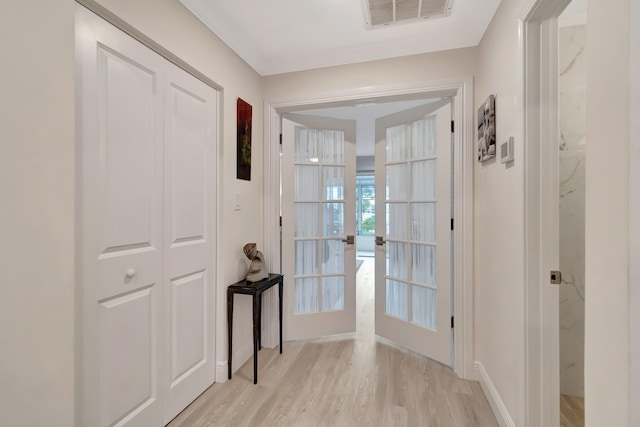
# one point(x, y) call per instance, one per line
point(487, 130)
point(243, 169)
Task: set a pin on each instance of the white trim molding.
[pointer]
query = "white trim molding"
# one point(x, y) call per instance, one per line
point(222, 371)
point(491, 392)
point(538, 51)
point(462, 91)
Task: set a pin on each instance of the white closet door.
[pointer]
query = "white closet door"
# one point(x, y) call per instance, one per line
point(318, 207)
point(413, 211)
point(147, 179)
point(120, 108)
point(189, 217)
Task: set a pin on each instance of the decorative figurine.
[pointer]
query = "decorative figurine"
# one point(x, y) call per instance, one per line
point(257, 268)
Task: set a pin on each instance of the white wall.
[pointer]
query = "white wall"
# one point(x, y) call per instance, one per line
point(499, 219)
point(368, 76)
point(607, 185)
point(172, 26)
point(634, 212)
point(36, 213)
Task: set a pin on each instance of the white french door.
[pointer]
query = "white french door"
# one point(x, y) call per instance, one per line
point(318, 228)
point(147, 173)
point(413, 236)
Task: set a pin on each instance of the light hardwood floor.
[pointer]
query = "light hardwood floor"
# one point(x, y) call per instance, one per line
point(571, 411)
point(342, 381)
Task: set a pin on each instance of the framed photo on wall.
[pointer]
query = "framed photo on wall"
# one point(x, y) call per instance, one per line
point(243, 169)
point(487, 130)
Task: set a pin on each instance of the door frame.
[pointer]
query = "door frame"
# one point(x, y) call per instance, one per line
point(538, 29)
point(462, 91)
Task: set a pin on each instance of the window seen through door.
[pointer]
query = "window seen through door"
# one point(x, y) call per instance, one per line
point(366, 205)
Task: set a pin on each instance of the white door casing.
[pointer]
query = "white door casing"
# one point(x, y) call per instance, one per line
point(538, 41)
point(413, 213)
point(147, 235)
point(318, 208)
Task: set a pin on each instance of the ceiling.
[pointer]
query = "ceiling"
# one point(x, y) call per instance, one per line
point(279, 36)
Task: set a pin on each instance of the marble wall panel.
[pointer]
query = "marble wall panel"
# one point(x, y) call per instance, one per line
point(572, 207)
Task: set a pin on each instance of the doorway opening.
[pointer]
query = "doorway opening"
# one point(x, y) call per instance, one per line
point(460, 91)
point(572, 28)
point(365, 211)
point(365, 247)
point(554, 145)
point(399, 207)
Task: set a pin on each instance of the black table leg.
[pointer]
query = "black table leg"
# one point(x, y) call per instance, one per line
point(260, 321)
point(256, 310)
point(230, 328)
point(280, 286)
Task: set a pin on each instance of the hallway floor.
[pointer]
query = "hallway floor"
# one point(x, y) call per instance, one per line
point(571, 411)
point(342, 381)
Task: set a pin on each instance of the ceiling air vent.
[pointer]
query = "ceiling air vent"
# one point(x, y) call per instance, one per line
point(379, 13)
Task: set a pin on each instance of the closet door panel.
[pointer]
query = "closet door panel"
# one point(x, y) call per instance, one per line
point(190, 175)
point(120, 106)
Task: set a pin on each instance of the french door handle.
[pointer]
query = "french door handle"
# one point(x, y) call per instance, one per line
point(380, 240)
point(350, 240)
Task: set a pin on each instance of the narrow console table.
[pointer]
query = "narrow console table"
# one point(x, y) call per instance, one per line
point(254, 289)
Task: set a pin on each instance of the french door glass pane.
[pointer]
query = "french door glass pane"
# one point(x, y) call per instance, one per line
point(332, 257)
point(397, 221)
point(424, 306)
point(306, 185)
point(333, 183)
point(397, 260)
point(306, 257)
point(306, 219)
point(306, 295)
point(423, 138)
point(423, 180)
point(306, 145)
point(423, 265)
point(398, 138)
point(397, 299)
point(332, 293)
point(319, 176)
point(397, 182)
point(333, 218)
point(423, 222)
point(332, 147)
point(411, 148)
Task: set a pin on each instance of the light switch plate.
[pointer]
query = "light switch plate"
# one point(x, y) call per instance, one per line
point(506, 151)
point(237, 202)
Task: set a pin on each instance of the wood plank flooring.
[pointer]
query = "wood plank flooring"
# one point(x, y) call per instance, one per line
point(342, 381)
point(571, 411)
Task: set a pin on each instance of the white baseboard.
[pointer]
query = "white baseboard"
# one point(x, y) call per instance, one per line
point(222, 371)
point(490, 391)
point(239, 358)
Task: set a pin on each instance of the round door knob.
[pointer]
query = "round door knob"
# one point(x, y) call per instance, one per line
point(130, 273)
